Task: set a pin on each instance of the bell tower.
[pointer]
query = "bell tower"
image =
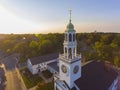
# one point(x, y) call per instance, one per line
point(70, 43)
point(69, 61)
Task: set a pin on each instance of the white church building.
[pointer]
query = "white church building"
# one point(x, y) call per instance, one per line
point(39, 64)
point(71, 74)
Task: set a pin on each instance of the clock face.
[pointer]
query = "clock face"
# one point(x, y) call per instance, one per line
point(76, 69)
point(64, 69)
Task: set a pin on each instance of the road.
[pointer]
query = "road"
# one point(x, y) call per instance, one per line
point(2, 78)
point(12, 80)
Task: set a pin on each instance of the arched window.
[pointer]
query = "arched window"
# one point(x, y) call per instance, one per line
point(73, 37)
point(70, 37)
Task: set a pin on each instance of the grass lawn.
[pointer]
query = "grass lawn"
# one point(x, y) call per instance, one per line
point(47, 74)
point(45, 86)
point(29, 79)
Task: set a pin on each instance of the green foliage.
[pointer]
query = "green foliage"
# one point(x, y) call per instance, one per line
point(93, 46)
point(104, 51)
point(47, 74)
point(92, 56)
point(117, 61)
point(46, 46)
point(8, 51)
point(45, 86)
point(107, 38)
point(33, 44)
point(116, 40)
point(114, 45)
point(29, 79)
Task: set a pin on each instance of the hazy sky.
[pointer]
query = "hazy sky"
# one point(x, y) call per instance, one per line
point(44, 16)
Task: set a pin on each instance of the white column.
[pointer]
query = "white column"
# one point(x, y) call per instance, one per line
point(67, 52)
point(66, 36)
point(75, 51)
point(64, 51)
point(54, 86)
point(72, 53)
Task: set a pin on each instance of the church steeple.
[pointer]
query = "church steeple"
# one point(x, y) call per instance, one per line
point(70, 43)
point(69, 61)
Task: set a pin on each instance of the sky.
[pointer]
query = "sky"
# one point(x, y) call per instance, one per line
point(52, 16)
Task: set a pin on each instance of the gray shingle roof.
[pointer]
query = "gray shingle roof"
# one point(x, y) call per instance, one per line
point(95, 77)
point(44, 58)
point(73, 88)
point(54, 66)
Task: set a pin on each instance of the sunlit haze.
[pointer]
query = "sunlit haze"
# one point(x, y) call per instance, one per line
point(45, 16)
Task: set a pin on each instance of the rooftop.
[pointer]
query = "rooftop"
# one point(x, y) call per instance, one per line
point(96, 77)
point(54, 66)
point(44, 58)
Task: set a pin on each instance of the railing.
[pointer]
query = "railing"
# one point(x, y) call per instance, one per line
point(64, 57)
point(72, 43)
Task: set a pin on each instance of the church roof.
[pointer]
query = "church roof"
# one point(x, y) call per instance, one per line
point(54, 65)
point(96, 77)
point(44, 58)
point(73, 88)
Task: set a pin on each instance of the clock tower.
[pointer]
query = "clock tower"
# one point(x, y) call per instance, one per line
point(70, 61)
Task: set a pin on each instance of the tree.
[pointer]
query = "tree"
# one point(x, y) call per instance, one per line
point(107, 38)
point(34, 48)
point(33, 44)
point(116, 40)
point(46, 47)
point(104, 51)
point(22, 48)
point(117, 61)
